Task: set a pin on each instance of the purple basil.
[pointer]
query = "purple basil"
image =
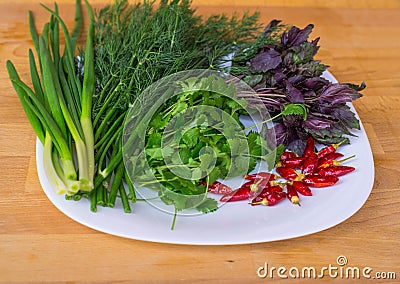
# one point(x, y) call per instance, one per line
point(293, 94)
point(337, 94)
point(266, 60)
point(296, 36)
point(283, 71)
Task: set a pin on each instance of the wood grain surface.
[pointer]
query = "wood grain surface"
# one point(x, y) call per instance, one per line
point(360, 40)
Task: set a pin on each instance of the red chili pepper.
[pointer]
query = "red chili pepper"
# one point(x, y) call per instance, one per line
point(291, 194)
point(240, 194)
point(310, 165)
point(295, 162)
point(310, 148)
point(334, 163)
point(288, 173)
point(260, 175)
point(270, 189)
point(329, 149)
point(331, 156)
point(248, 184)
point(267, 191)
point(335, 171)
point(217, 187)
point(301, 188)
point(270, 199)
point(266, 187)
point(259, 185)
point(287, 155)
point(256, 184)
point(275, 188)
point(320, 181)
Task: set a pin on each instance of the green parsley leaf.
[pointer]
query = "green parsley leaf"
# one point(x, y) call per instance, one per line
point(214, 175)
point(239, 166)
point(206, 160)
point(296, 109)
point(180, 106)
point(157, 122)
point(154, 140)
point(253, 140)
point(194, 153)
point(154, 153)
point(191, 137)
point(197, 174)
point(208, 205)
point(168, 151)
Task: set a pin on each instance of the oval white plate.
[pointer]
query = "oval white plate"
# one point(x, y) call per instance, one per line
point(234, 223)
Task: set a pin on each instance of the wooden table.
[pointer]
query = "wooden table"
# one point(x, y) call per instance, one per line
point(360, 41)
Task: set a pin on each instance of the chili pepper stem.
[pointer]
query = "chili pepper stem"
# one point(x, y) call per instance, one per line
point(254, 186)
point(338, 144)
point(264, 202)
point(334, 163)
point(345, 159)
point(280, 183)
point(295, 200)
point(299, 176)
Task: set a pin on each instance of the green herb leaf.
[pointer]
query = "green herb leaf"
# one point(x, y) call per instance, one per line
point(208, 205)
point(295, 109)
point(197, 174)
point(154, 140)
point(191, 137)
point(214, 175)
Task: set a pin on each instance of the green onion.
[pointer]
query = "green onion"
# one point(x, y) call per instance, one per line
point(59, 106)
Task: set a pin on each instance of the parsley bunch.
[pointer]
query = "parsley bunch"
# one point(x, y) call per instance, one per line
point(191, 139)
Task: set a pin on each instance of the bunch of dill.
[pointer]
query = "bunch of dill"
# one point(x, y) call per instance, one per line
point(138, 44)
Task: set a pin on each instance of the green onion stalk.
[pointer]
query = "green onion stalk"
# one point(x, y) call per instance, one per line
point(59, 104)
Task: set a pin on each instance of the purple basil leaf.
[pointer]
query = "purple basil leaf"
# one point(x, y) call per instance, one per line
point(315, 83)
point(316, 123)
point(253, 80)
point(293, 94)
point(266, 60)
point(296, 79)
point(279, 131)
point(271, 27)
point(293, 141)
point(288, 62)
point(337, 94)
point(297, 146)
point(309, 94)
point(279, 77)
point(312, 69)
point(327, 140)
point(306, 51)
point(356, 87)
point(346, 116)
point(325, 130)
point(296, 36)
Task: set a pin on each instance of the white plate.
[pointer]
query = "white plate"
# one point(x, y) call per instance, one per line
point(233, 223)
